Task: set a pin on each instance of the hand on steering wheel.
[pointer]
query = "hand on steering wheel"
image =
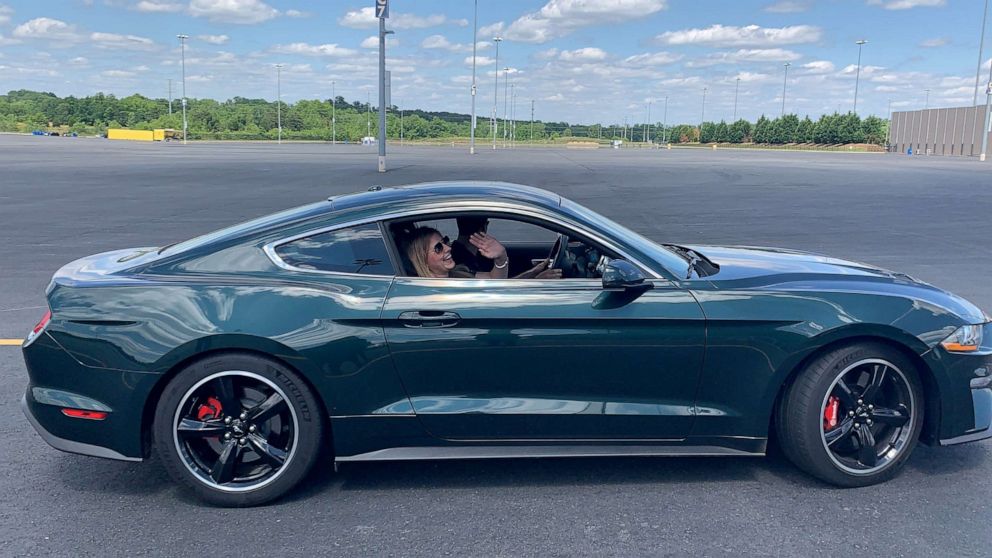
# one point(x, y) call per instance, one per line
point(559, 253)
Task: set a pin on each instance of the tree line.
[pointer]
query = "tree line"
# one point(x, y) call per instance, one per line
point(247, 119)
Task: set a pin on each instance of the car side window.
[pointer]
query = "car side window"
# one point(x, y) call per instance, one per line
point(358, 249)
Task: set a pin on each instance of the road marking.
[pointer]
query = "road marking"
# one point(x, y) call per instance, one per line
point(11, 342)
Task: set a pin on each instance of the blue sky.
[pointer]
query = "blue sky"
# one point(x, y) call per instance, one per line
point(580, 60)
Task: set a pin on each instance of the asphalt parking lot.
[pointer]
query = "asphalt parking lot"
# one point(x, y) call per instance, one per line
point(63, 198)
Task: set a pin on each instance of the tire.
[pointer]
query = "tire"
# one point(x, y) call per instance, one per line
point(853, 415)
point(247, 457)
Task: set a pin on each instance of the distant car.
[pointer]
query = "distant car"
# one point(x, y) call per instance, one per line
point(39, 133)
point(238, 355)
point(54, 134)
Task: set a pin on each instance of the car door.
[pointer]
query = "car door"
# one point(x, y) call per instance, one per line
point(520, 359)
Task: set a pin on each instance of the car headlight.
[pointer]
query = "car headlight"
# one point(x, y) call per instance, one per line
point(966, 339)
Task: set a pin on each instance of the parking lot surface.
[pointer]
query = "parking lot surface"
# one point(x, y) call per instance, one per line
point(63, 198)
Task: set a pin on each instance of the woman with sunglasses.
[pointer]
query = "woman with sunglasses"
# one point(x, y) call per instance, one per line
point(430, 254)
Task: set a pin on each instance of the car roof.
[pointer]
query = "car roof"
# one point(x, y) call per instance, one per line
point(428, 192)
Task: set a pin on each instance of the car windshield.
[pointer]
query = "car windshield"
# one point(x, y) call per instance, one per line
point(673, 263)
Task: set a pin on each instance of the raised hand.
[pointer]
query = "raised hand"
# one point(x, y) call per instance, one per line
point(489, 247)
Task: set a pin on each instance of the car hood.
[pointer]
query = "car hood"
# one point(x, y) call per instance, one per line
point(749, 267)
point(748, 262)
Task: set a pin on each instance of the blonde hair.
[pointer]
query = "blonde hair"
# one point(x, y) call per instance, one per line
point(416, 249)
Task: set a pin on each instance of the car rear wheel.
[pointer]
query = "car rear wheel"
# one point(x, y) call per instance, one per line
point(853, 415)
point(237, 429)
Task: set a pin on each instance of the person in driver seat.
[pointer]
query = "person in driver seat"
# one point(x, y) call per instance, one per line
point(466, 253)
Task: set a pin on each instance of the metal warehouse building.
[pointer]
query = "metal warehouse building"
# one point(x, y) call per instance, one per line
point(939, 131)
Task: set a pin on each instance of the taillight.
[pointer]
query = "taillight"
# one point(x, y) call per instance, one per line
point(44, 322)
point(84, 414)
point(39, 328)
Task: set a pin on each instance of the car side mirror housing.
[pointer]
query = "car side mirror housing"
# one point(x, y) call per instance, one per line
point(623, 275)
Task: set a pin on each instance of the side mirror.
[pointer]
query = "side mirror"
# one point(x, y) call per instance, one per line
point(623, 275)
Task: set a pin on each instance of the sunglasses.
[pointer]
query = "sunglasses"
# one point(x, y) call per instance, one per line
point(439, 247)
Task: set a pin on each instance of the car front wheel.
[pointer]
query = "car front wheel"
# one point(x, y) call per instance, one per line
point(853, 415)
point(237, 429)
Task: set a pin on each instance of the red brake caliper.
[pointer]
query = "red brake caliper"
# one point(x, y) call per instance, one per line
point(209, 410)
point(830, 413)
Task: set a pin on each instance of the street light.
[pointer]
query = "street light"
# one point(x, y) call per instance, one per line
point(857, 78)
point(736, 91)
point(703, 118)
point(506, 81)
point(475, 42)
point(664, 122)
point(182, 46)
point(647, 134)
point(496, 40)
point(279, 101)
point(784, 82)
point(981, 46)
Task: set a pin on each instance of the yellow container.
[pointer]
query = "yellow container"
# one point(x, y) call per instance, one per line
point(134, 135)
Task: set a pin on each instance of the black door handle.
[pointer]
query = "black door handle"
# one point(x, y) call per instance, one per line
point(429, 318)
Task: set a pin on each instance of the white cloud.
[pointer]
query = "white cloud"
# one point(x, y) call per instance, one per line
point(480, 61)
point(908, 4)
point(364, 18)
point(314, 50)
point(554, 98)
point(436, 41)
point(935, 42)
point(117, 74)
point(652, 59)
point(158, 6)
point(46, 28)
point(233, 11)
point(373, 42)
point(492, 30)
point(214, 39)
point(789, 6)
point(750, 35)
point(819, 67)
point(5, 13)
point(4, 41)
point(751, 77)
point(588, 54)
point(546, 54)
point(745, 55)
point(296, 13)
point(79, 61)
point(560, 17)
point(113, 40)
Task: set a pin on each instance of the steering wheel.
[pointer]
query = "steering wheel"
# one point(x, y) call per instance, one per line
point(559, 253)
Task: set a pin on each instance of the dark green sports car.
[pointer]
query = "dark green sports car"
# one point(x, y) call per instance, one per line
point(351, 325)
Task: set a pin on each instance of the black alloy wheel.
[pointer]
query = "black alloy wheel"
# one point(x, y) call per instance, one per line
point(237, 429)
point(853, 415)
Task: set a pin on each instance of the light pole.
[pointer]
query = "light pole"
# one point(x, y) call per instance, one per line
point(647, 133)
point(926, 103)
point(737, 90)
point(664, 123)
point(334, 119)
point(182, 46)
point(988, 116)
point(279, 101)
point(532, 120)
point(888, 135)
point(981, 46)
point(857, 78)
point(496, 40)
point(382, 92)
point(475, 42)
point(506, 81)
point(703, 118)
point(368, 114)
point(784, 82)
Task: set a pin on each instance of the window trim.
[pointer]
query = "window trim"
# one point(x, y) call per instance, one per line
point(447, 208)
